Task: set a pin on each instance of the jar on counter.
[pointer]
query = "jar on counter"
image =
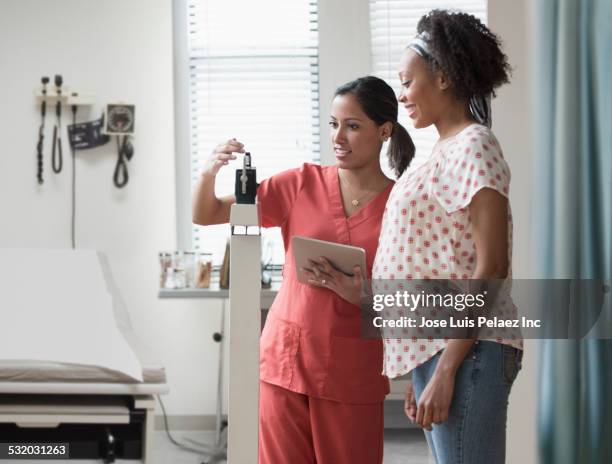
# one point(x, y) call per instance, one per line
point(189, 265)
point(165, 262)
point(203, 270)
point(175, 278)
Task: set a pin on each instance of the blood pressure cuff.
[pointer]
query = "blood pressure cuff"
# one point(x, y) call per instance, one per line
point(87, 134)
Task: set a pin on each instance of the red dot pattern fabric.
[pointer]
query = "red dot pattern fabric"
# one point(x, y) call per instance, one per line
point(427, 232)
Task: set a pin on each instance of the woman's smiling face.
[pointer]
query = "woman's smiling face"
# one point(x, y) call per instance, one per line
point(355, 137)
point(422, 91)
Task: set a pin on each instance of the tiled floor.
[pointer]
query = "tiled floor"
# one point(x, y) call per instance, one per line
point(402, 446)
point(406, 446)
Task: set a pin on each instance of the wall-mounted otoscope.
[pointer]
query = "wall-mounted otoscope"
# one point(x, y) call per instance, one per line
point(246, 182)
point(56, 154)
point(41, 130)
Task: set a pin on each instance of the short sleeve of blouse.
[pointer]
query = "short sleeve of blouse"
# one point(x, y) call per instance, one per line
point(473, 162)
point(276, 195)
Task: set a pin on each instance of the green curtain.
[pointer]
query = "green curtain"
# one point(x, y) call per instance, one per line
point(573, 219)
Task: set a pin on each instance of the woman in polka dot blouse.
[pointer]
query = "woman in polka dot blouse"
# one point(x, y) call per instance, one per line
point(450, 219)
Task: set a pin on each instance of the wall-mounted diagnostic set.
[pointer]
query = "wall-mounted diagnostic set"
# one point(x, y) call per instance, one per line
point(117, 120)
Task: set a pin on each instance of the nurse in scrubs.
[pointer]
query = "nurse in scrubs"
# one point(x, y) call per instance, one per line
point(321, 390)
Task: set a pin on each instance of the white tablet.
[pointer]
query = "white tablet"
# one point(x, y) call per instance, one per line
point(342, 257)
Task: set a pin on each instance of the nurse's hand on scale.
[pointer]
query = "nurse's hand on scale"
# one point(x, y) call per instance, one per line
point(322, 274)
point(207, 209)
point(221, 156)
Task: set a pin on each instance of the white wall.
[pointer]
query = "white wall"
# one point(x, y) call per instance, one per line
point(512, 123)
point(344, 28)
point(123, 52)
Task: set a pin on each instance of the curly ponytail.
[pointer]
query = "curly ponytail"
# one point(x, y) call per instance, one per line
point(466, 51)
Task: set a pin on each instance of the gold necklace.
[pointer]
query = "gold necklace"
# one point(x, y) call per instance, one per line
point(355, 201)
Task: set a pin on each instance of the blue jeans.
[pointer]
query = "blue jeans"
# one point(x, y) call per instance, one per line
point(475, 432)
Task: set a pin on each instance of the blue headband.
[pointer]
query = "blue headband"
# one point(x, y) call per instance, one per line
point(419, 45)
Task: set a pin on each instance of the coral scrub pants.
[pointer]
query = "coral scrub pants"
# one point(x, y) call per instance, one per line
point(300, 429)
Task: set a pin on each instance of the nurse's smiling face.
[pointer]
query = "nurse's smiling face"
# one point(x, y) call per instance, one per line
point(356, 139)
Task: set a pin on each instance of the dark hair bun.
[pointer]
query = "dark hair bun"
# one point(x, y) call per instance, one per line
point(466, 51)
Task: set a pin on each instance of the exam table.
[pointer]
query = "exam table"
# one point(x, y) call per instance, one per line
point(104, 413)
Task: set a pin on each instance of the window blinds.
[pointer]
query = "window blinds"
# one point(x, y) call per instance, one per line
point(253, 76)
point(393, 23)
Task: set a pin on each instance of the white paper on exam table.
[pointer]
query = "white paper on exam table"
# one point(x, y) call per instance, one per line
point(54, 306)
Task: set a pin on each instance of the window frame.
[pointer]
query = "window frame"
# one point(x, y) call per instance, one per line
point(344, 54)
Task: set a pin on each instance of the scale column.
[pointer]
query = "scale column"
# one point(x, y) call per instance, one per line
point(244, 333)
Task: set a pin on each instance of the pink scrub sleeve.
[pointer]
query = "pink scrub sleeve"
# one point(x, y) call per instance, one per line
point(276, 195)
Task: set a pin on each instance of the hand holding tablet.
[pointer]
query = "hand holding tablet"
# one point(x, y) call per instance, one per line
point(341, 257)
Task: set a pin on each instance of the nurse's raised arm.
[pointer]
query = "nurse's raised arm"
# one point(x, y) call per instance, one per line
point(207, 208)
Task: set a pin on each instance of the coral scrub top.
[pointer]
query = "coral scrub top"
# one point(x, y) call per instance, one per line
point(311, 343)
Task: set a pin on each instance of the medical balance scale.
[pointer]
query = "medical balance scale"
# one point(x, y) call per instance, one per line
point(244, 325)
